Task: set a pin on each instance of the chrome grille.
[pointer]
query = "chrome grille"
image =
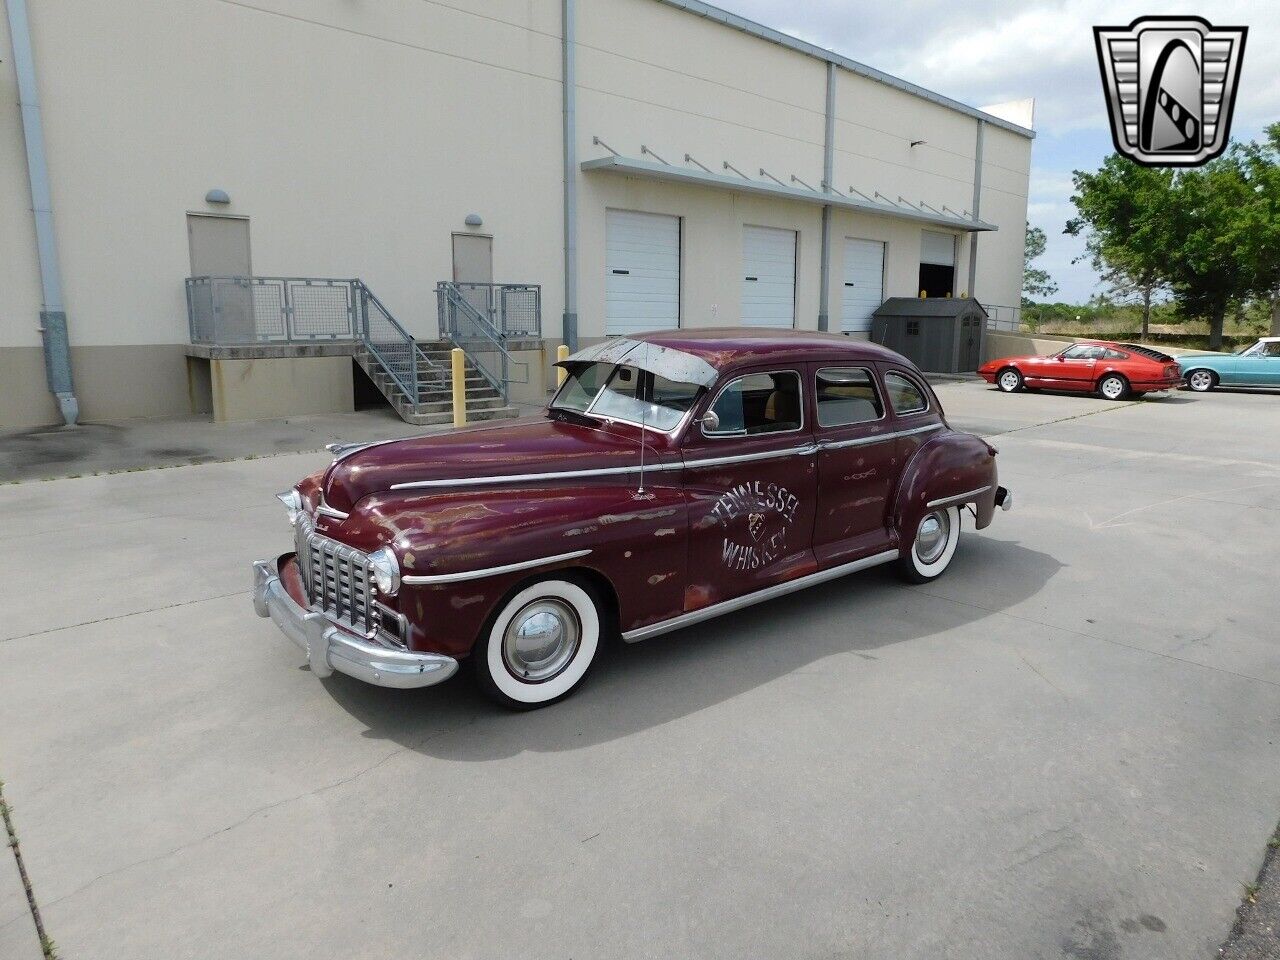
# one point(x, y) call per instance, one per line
point(338, 580)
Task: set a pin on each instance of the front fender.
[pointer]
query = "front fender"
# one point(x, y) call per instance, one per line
point(633, 545)
point(950, 469)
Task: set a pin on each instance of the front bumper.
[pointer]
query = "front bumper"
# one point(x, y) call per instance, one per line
point(330, 648)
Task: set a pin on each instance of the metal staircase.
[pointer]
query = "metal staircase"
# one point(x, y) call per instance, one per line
point(285, 313)
point(415, 375)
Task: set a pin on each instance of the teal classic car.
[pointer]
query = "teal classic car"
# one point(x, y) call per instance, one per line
point(1256, 366)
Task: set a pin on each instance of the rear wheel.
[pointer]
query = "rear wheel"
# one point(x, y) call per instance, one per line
point(932, 547)
point(540, 645)
point(1009, 380)
point(1202, 381)
point(1113, 387)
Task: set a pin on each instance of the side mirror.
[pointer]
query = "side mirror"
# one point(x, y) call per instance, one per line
point(710, 422)
point(1060, 358)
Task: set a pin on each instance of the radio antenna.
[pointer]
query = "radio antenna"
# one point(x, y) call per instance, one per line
point(644, 407)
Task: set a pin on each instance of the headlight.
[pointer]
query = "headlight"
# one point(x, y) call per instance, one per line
point(386, 570)
point(292, 501)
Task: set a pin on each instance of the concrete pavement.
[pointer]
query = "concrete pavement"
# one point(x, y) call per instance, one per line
point(1066, 747)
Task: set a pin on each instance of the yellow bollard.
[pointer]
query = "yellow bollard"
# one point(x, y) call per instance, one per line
point(459, 361)
point(562, 353)
point(924, 294)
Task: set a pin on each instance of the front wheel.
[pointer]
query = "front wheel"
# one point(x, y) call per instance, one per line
point(1009, 380)
point(932, 547)
point(540, 645)
point(1201, 381)
point(1113, 387)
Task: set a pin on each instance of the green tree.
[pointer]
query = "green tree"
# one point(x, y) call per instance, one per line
point(1121, 217)
point(1035, 282)
point(1259, 230)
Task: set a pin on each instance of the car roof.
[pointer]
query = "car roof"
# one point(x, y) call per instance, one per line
point(725, 346)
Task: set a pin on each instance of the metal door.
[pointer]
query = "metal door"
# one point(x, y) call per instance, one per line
point(473, 269)
point(970, 344)
point(219, 247)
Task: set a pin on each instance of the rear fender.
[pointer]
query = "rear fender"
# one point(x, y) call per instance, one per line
point(951, 469)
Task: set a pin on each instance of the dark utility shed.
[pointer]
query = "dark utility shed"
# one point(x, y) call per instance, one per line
point(938, 335)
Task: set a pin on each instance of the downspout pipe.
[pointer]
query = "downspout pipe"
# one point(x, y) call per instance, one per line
point(828, 173)
point(53, 315)
point(977, 207)
point(569, 322)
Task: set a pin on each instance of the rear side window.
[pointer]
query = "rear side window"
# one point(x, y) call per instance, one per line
point(847, 395)
point(905, 396)
point(1114, 355)
point(758, 403)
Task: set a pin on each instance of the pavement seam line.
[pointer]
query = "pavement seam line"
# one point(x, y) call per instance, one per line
point(47, 946)
point(124, 616)
point(1074, 416)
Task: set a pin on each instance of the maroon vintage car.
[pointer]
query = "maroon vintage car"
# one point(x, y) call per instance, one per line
point(674, 477)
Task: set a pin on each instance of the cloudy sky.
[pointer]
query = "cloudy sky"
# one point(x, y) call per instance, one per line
point(987, 51)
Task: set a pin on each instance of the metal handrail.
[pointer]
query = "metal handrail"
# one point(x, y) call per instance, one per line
point(471, 330)
point(513, 309)
point(394, 369)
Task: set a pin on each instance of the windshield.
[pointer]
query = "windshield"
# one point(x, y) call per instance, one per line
point(628, 394)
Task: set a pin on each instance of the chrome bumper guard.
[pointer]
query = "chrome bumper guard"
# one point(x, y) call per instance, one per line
point(329, 648)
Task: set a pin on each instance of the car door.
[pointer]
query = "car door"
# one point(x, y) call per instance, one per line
point(1261, 365)
point(1073, 368)
point(857, 463)
point(914, 413)
point(750, 480)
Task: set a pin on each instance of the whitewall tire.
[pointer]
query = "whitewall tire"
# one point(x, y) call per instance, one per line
point(540, 645)
point(932, 546)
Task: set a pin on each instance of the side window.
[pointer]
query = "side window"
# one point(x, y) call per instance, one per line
point(1114, 355)
point(1083, 351)
point(847, 395)
point(1271, 349)
point(758, 403)
point(904, 395)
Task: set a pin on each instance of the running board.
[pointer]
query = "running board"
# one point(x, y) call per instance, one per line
point(760, 596)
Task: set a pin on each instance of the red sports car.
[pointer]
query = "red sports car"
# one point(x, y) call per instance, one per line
point(1113, 371)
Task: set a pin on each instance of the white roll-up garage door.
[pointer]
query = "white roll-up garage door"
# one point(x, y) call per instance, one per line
point(939, 248)
point(642, 271)
point(863, 284)
point(769, 277)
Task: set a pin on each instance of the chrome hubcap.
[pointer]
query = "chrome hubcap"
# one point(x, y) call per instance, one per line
point(931, 538)
point(1201, 380)
point(1009, 381)
point(541, 640)
point(1112, 388)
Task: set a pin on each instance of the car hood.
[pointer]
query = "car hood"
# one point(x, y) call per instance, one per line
point(1202, 353)
point(529, 447)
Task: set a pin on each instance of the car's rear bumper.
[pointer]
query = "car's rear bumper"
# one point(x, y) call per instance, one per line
point(1153, 386)
point(329, 647)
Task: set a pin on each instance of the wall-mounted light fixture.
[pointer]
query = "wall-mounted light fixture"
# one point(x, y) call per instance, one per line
point(473, 220)
point(217, 195)
point(916, 143)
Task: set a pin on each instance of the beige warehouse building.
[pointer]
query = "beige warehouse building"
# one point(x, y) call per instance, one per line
point(696, 169)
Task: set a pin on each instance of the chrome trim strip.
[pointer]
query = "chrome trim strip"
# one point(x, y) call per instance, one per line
point(751, 599)
point(958, 498)
point(330, 512)
point(805, 450)
point(491, 571)
point(536, 477)
point(863, 441)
